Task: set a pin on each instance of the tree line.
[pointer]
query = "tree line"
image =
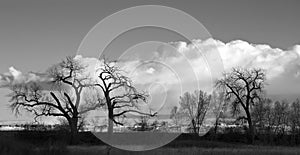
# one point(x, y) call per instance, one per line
point(74, 94)
point(241, 92)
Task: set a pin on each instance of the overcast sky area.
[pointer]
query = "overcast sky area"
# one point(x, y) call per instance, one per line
point(37, 34)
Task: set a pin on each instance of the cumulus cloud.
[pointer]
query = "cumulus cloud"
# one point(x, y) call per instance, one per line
point(282, 66)
point(244, 54)
point(191, 65)
point(187, 67)
point(14, 76)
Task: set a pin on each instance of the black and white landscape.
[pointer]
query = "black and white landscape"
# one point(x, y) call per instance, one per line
point(149, 77)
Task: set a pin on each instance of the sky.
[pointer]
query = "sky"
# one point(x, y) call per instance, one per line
point(36, 34)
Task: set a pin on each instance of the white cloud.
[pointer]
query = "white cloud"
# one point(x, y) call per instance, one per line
point(184, 67)
point(244, 54)
point(282, 66)
point(14, 76)
point(150, 70)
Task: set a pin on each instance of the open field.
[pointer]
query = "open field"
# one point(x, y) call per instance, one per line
point(55, 143)
point(60, 149)
point(249, 150)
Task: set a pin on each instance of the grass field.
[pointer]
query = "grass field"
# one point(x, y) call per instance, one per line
point(249, 150)
point(51, 143)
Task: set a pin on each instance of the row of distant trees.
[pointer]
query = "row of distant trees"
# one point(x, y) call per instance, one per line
point(277, 118)
point(114, 92)
point(74, 94)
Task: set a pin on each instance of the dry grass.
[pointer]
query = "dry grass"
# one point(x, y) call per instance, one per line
point(36, 144)
point(250, 150)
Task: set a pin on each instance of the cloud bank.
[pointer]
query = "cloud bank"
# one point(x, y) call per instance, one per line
point(282, 66)
point(184, 68)
point(14, 76)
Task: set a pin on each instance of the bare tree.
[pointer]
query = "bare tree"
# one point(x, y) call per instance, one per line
point(280, 117)
point(63, 100)
point(120, 96)
point(294, 117)
point(244, 88)
point(195, 106)
point(261, 112)
point(218, 106)
point(175, 115)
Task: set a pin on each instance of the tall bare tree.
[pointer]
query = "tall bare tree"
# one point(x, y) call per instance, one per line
point(244, 88)
point(63, 100)
point(120, 96)
point(218, 107)
point(194, 106)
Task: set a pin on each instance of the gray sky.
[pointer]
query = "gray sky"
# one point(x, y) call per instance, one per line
point(53, 29)
point(35, 34)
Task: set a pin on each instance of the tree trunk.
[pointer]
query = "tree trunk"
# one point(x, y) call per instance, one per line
point(216, 128)
point(110, 122)
point(73, 129)
point(194, 126)
point(251, 128)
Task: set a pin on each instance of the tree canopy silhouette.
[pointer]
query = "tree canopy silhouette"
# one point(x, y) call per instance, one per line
point(63, 100)
point(120, 96)
point(243, 88)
